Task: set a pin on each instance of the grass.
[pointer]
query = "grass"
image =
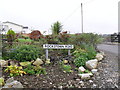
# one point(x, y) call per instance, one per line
point(24, 40)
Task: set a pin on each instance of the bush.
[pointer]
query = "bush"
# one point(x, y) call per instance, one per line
point(14, 70)
point(65, 68)
point(52, 39)
point(87, 38)
point(11, 36)
point(63, 38)
point(35, 70)
point(82, 55)
point(25, 53)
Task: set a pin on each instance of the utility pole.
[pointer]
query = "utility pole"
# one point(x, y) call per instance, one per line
point(82, 17)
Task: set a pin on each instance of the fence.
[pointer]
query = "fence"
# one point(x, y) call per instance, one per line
point(115, 37)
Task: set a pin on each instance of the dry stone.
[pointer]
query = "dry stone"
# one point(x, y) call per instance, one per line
point(99, 56)
point(3, 63)
point(94, 71)
point(2, 81)
point(38, 62)
point(81, 69)
point(84, 76)
point(92, 64)
point(14, 84)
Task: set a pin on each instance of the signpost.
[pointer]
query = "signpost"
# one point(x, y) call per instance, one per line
point(56, 46)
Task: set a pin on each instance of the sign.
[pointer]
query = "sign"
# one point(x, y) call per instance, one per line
point(56, 46)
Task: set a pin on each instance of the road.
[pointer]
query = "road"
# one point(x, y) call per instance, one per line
point(110, 48)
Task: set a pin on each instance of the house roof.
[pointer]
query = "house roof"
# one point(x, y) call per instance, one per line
point(13, 23)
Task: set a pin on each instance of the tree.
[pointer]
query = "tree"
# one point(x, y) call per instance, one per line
point(11, 36)
point(56, 28)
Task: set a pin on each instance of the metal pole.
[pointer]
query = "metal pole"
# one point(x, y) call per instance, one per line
point(82, 17)
point(69, 52)
point(46, 54)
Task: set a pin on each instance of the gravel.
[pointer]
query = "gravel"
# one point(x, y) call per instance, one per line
point(108, 75)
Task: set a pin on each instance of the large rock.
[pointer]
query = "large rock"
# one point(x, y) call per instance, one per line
point(14, 84)
point(2, 81)
point(92, 64)
point(81, 69)
point(3, 63)
point(38, 62)
point(99, 56)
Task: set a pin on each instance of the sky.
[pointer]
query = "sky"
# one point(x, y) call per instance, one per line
point(99, 16)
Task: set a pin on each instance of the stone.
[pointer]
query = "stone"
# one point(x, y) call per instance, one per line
point(14, 84)
point(47, 61)
point(65, 61)
point(50, 83)
point(102, 53)
point(25, 83)
point(10, 80)
point(25, 63)
point(94, 85)
point(81, 69)
point(13, 62)
point(60, 87)
point(109, 80)
point(3, 63)
point(84, 76)
point(92, 64)
point(81, 83)
point(38, 62)
point(99, 56)
point(2, 81)
point(90, 81)
point(94, 71)
point(32, 61)
point(90, 74)
point(77, 79)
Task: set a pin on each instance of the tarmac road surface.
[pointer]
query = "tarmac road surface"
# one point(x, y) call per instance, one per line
point(110, 48)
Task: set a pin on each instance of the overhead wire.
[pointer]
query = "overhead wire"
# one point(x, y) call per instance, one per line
point(75, 10)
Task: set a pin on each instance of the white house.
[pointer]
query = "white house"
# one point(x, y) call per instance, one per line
point(15, 27)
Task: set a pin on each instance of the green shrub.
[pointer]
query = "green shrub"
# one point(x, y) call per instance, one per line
point(65, 68)
point(35, 70)
point(82, 55)
point(10, 35)
point(52, 39)
point(24, 40)
point(80, 61)
point(25, 53)
point(14, 70)
point(56, 28)
point(90, 50)
point(87, 38)
point(29, 69)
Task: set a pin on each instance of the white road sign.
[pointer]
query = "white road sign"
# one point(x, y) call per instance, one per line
point(56, 46)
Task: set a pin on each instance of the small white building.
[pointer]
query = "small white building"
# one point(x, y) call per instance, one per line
point(15, 27)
